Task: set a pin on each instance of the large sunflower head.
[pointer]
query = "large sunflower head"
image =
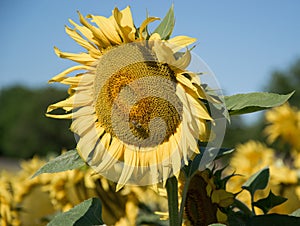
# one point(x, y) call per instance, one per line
point(137, 111)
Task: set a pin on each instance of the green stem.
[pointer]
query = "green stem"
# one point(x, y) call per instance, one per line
point(252, 201)
point(242, 207)
point(184, 194)
point(172, 191)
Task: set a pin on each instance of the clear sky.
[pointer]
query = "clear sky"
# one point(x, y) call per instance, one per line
point(242, 41)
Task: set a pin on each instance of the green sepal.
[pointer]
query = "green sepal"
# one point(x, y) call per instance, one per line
point(165, 28)
point(257, 181)
point(266, 204)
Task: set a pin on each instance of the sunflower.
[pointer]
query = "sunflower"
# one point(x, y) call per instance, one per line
point(137, 110)
point(207, 198)
point(252, 156)
point(284, 124)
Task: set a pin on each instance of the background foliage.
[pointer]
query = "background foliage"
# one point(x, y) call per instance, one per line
point(24, 129)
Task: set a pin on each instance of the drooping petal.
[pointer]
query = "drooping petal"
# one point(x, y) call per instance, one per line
point(145, 24)
point(87, 142)
point(80, 40)
point(82, 124)
point(72, 102)
point(97, 33)
point(124, 24)
point(183, 61)
point(179, 42)
point(62, 75)
point(82, 58)
point(87, 33)
point(107, 28)
point(130, 163)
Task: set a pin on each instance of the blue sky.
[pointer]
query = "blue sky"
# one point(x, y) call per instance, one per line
point(241, 41)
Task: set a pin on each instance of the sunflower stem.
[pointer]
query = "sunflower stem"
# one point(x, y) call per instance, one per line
point(242, 207)
point(184, 194)
point(172, 191)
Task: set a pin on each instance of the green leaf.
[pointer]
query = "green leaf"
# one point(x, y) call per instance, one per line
point(87, 213)
point(268, 203)
point(252, 102)
point(166, 26)
point(257, 181)
point(66, 161)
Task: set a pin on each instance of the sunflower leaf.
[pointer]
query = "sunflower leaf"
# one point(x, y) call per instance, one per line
point(269, 202)
point(66, 161)
point(251, 102)
point(87, 213)
point(257, 181)
point(166, 26)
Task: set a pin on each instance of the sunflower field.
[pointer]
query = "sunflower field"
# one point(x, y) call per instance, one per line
point(149, 132)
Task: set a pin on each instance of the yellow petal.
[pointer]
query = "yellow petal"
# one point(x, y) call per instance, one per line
point(200, 109)
point(124, 23)
point(65, 116)
point(87, 110)
point(87, 142)
point(62, 104)
point(79, 39)
point(126, 18)
point(82, 124)
point(86, 32)
point(130, 162)
point(71, 102)
point(82, 58)
point(183, 61)
point(186, 82)
point(193, 106)
point(62, 75)
point(73, 81)
point(144, 25)
point(154, 36)
point(96, 32)
point(163, 53)
point(110, 157)
point(99, 150)
point(107, 28)
point(180, 42)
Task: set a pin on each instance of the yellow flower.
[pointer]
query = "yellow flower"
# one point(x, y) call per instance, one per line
point(8, 214)
point(137, 111)
point(284, 123)
point(205, 198)
point(249, 158)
